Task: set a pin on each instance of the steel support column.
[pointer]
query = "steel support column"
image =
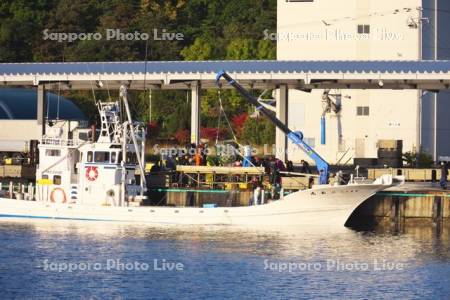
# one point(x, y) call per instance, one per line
point(195, 113)
point(282, 114)
point(41, 107)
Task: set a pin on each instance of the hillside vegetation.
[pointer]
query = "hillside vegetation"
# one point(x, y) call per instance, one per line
point(211, 30)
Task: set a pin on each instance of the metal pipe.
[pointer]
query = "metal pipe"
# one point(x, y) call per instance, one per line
point(123, 94)
point(122, 163)
point(435, 95)
point(142, 181)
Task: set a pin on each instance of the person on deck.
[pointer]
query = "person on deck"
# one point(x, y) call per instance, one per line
point(247, 156)
point(276, 166)
point(198, 157)
point(156, 167)
point(305, 167)
point(280, 165)
point(289, 166)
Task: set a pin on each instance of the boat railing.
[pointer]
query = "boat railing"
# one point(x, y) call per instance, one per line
point(61, 142)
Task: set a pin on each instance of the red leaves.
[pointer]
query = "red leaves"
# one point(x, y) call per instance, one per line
point(183, 136)
point(210, 133)
point(238, 121)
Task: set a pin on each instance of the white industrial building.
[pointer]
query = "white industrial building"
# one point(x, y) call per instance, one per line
point(364, 30)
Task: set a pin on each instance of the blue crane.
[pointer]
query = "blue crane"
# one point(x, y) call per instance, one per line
point(295, 136)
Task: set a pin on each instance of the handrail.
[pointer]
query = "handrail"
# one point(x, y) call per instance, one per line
point(61, 142)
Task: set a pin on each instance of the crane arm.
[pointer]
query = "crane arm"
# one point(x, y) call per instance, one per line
point(295, 137)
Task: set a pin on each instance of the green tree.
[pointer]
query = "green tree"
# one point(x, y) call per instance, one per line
point(179, 119)
point(240, 48)
point(202, 49)
point(212, 30)
point(266, 49)
point(20, 28)
point(258, 131)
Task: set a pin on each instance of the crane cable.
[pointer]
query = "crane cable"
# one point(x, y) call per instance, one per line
point(222, 111)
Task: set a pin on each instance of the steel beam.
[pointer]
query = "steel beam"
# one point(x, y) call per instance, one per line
point(195, 113)
point(282, 115)
point(41, 105)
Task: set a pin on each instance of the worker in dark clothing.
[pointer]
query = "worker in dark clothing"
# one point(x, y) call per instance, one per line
point(265, 163)
point(275, 176)
point(289, 166)
point(305, 167)
point(171, 164)
point(444, 175)
point(280, 165)
point(156, 167)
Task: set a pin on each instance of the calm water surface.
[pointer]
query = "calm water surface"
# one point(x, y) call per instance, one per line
point(129, 262)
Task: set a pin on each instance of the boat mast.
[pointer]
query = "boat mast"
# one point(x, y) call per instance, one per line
point(123, 95)
point(122, 163)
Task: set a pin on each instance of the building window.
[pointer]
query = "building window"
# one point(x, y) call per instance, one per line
point(53, 152)
point(83, 136)
point(341, 145)
point(364, 29)
point(362, 110)
point(131, 158)
point(57, 180)
point(101, 156)
point(113, 157)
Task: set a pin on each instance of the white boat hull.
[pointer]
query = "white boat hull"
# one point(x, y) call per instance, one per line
point(322, 206)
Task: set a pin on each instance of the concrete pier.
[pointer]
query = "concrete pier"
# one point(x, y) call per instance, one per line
point(418, 204)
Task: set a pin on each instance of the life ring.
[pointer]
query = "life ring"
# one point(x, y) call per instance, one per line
point(56, 194)
point(91, 173)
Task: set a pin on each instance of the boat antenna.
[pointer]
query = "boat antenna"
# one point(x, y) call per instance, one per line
point(145, 83)
point(59, 94)
point(107, 84)
point(124, 95)
point(92, 85)
point(48, 105)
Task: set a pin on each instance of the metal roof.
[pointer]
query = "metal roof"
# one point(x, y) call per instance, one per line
point(257, 74)
point(20, 104)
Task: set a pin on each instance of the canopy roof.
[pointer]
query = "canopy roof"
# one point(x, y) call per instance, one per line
point(434, 75)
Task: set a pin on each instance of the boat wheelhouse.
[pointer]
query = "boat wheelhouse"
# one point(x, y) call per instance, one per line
point(82, 166)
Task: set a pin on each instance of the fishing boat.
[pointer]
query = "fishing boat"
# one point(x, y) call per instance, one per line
point(321, 206)
point(87, 178)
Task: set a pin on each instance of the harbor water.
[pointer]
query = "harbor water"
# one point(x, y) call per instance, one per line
point(89, 260)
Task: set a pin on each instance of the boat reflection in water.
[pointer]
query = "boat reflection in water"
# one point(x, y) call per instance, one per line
point(221, 261)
